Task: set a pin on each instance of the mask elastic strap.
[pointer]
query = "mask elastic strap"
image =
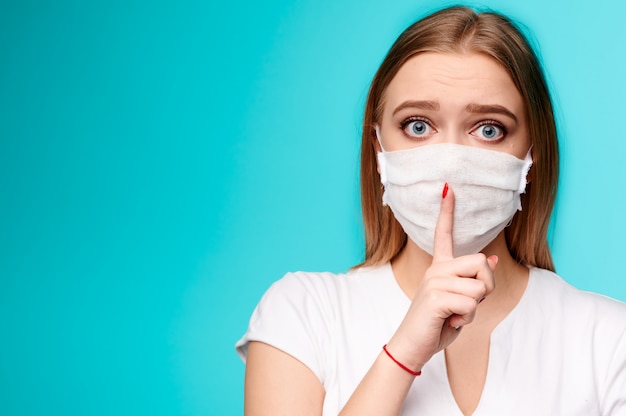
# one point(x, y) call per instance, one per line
point(528, 162)
point(380, 156)
point(378, 137)
point(529, 156)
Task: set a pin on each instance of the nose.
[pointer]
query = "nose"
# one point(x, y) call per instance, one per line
point(454, 135)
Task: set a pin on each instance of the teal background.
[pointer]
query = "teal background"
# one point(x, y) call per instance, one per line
point(161, 163)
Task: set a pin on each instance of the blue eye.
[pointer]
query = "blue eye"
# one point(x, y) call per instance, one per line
point(490, 132)
point(417, 128)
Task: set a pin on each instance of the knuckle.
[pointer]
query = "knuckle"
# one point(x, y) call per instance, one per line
point(481, 258)
point(434, 297)
point(478, 287)
point(469, 318)
point(481, 290)
point(470, 305)
point(467, 306)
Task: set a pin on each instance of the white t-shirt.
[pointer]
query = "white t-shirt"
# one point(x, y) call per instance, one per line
point(561, 351)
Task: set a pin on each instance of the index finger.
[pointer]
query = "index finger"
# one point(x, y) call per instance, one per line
point(443, 247)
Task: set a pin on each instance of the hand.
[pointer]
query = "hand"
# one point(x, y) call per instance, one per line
point(447, 299)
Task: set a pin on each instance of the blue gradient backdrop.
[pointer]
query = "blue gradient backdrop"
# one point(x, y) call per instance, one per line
point(161, 163)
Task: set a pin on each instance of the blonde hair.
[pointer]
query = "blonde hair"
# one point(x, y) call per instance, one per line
point(461, 30)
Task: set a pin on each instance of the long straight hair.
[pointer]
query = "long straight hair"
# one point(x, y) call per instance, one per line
point(462, 30)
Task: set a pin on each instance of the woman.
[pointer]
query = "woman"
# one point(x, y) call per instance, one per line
point(459, 168)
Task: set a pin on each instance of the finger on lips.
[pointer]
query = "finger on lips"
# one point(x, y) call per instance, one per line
point(470, 278)
point(443, 248)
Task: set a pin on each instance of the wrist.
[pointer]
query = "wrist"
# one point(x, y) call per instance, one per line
point(403, 355)
point(414, 373)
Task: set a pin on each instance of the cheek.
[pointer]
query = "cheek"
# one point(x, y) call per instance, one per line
point(521, 143)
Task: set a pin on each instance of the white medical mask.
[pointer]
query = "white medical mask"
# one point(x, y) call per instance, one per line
point(487, 185)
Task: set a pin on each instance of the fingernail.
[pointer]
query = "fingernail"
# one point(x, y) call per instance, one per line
point(445, 191)
point(494, 258)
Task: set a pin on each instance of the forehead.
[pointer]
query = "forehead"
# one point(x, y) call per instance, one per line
point(453, 78)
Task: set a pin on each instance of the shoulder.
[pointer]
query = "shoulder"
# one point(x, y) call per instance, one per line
point(566, 346)
point(310, 301)
point(324, 287)
point(298, 313)
point(584, 323)
point(592, 328)
point(307, 282)
point(555, 293)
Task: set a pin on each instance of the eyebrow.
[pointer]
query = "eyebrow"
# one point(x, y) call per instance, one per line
point(490, 108)
point(424, 105)
point(471, 108)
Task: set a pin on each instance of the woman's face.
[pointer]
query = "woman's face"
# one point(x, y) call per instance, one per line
point(454, 98)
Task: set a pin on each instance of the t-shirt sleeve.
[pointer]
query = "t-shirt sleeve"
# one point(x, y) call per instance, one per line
point(293, 316)
point(614, 401)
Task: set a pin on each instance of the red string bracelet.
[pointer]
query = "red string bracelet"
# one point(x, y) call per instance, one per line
point(402, 366)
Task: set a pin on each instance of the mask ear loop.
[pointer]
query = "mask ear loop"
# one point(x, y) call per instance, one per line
point(523, 182)
point(528, 162)
point(382, 165)
point(380, 156)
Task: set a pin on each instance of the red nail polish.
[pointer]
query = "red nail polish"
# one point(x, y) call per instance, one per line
point(445, 191)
